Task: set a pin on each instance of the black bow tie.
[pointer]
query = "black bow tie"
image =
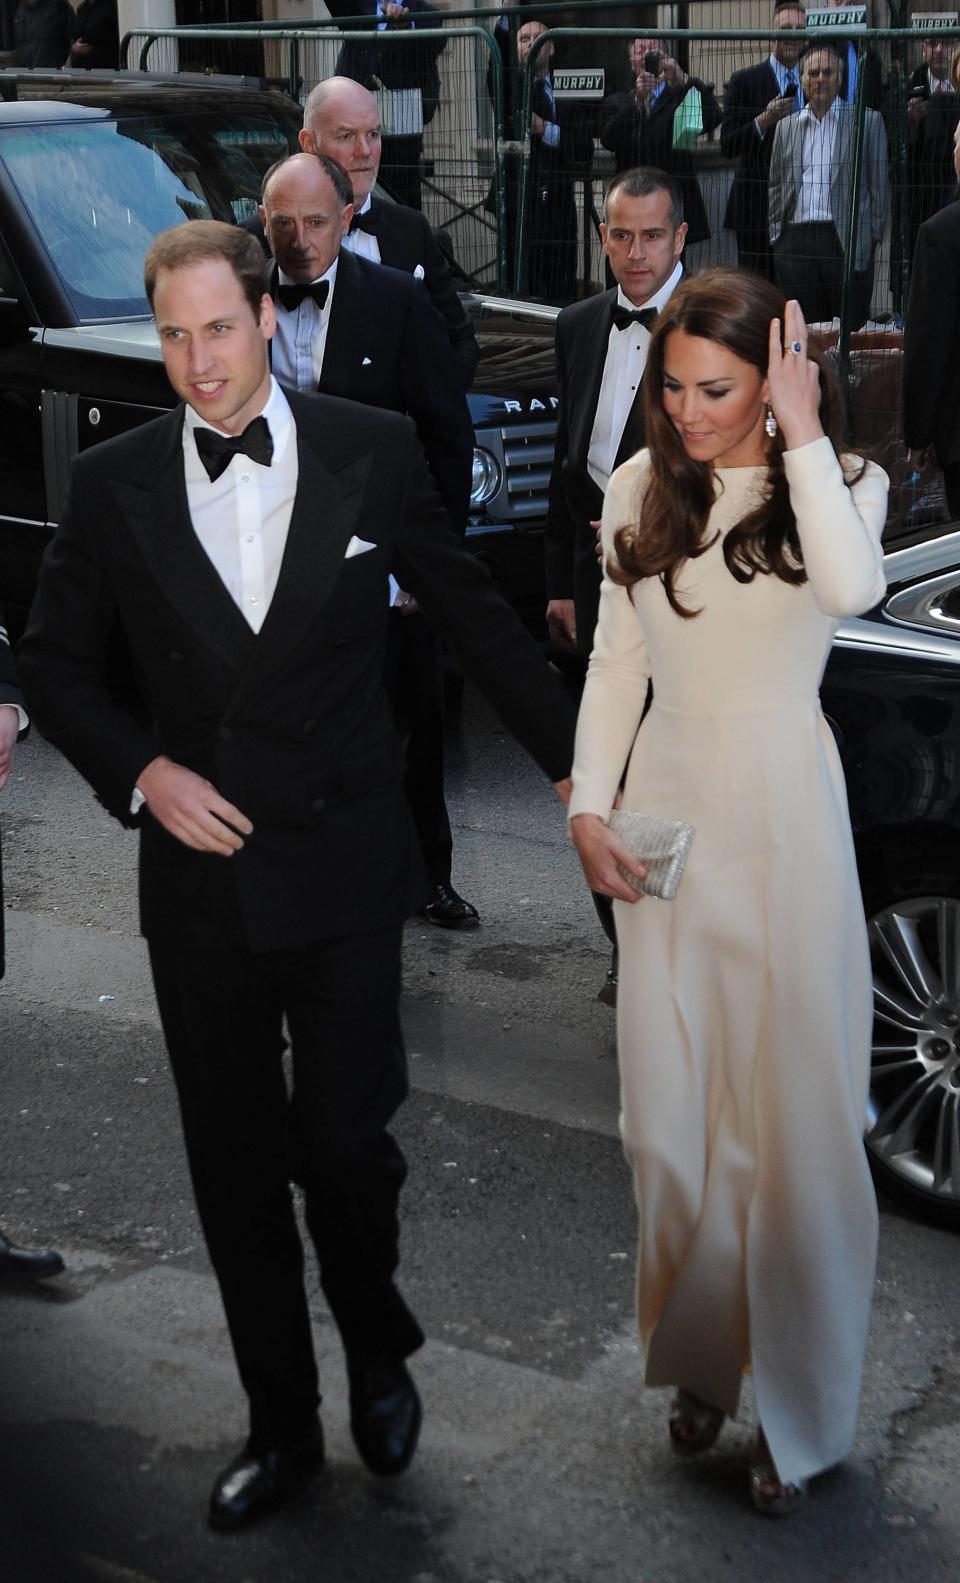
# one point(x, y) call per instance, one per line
point(624, 317)
point(290, 297)
point(368, 222)
point(216, 451)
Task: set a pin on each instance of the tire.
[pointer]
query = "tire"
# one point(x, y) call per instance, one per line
point(912, 1133)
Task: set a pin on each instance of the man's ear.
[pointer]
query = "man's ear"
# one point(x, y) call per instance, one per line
point(603, 237)
point(308, 141)
point(348, 214)
point(681, 237)
point(268, 316)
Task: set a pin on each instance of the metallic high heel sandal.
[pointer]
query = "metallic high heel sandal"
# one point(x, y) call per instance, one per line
point(694, 1425)
point(767, 1491)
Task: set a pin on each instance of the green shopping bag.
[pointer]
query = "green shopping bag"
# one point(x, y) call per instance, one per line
point(688, 119)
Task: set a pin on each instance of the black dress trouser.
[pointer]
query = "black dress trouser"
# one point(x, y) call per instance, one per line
point(248, 1137)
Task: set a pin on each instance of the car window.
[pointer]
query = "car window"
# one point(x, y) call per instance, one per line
point(98, 192)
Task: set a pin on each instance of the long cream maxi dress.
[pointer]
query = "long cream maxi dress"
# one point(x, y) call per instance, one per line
point(744, 1012)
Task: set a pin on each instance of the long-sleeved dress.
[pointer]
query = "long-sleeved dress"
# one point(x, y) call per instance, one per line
point(744, 1011)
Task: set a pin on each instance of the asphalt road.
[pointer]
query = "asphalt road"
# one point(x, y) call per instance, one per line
point(542, 1459)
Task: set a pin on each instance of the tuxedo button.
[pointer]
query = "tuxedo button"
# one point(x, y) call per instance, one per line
point(318, 804)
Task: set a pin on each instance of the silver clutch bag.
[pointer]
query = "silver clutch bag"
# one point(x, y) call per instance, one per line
point(662, 844)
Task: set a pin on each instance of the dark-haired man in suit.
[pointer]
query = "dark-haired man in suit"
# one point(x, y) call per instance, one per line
point(755, 100)
point(361, 330)
point(933, 110)
point(342, 120)
point(244, 541)
point(601, 354)
point(15, 1261)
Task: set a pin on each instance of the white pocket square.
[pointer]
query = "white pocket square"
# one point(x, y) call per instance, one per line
point(358, 547)
point(366, 362)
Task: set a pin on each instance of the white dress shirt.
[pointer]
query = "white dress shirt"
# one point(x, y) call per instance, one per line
point(242, 518)
point(301, 336)
point(819, 140)
point(363, 242)
point(622, 372)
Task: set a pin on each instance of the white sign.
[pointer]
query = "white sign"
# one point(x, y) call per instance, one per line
point(844, 19)
point(933, 21)
point(571, 83)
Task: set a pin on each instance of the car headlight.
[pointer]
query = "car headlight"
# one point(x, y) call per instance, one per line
point(486, 477)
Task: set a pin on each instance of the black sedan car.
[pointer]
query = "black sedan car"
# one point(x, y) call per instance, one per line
point(92, 167)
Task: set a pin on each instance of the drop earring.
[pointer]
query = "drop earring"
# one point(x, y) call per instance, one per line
point(770, 422)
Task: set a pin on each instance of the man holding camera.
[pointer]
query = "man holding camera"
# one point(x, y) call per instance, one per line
point(638, 125)
point(755, 101)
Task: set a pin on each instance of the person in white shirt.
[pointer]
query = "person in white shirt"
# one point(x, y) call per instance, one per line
point(811, 195)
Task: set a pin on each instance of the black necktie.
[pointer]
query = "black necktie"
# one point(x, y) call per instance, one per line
point(624, 317)
point(368, 222)
point(290, 297)
point(217, 450)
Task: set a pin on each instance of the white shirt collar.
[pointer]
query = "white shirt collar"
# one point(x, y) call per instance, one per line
point(276, 410)
point(660, 298)
point(365, 204)
point(806, 114)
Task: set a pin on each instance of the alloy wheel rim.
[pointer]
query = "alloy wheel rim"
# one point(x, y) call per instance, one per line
point(913, 1112)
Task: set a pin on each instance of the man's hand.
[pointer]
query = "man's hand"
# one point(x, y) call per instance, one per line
point(562, 623)
point(920, 457)
point(916, 110)
point(596, 526)
point(397, 14)
point(192, 810)
point(536, 124)
point(9, 730)
point(601, 852)
point(644, 86)
point(564, 790)
point(777, 110)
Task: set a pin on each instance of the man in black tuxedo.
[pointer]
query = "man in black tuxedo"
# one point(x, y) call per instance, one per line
point(754, 101)
point(638, 126)
point(407, 74)
point(931, 349)
point(244, 541)
point(361, 330)
point(601, 353)
point(15, 1261)
point(342, 120)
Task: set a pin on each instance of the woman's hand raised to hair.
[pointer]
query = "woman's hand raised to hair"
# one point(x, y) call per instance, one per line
point(794, 381)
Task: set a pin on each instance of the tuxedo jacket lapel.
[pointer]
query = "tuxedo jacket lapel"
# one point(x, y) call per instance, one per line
point(596, 334)
point(159, 518)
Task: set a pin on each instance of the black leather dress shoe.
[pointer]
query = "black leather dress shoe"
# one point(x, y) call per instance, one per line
point(385, 1413)
point(449, 910)
point(257, 1482)
point(28, 1261)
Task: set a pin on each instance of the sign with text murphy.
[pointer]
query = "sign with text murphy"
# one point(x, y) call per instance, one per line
point(573, 83)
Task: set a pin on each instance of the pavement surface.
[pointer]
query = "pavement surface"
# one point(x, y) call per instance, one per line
point(543, 1460)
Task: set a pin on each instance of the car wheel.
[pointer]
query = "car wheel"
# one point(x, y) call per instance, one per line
point(913, 1114)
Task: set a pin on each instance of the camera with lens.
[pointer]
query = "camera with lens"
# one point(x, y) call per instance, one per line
point(652, 62)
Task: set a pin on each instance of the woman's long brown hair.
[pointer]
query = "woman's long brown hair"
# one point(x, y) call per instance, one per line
point(732, 308)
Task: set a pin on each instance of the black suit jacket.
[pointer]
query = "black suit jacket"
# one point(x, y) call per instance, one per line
point(637, 139)
point(931, 340)
point(393, 65)
point(292, 724)
point(407, 241)
point(573, 572)
point(746, 95)
point(9, 694)
point(387, 346)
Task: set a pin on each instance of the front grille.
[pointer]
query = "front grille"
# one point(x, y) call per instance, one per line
point(528, 458)
point(525, 454)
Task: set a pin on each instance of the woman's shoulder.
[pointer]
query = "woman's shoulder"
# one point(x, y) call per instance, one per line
point(625, 478)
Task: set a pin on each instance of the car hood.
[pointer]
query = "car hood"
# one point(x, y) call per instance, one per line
point(133, 338)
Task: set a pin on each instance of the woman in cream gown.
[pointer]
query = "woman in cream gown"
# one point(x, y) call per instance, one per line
point(744, 1011)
